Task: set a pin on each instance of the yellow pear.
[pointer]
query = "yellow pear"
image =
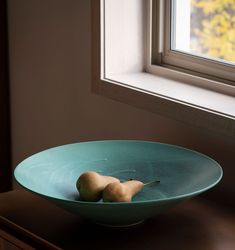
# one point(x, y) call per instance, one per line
point(121, 192)
point(91, 185)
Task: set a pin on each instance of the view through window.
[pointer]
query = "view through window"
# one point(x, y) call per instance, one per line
point(204, 28)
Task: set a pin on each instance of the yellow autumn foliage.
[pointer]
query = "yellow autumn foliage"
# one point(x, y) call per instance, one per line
point(217, 36)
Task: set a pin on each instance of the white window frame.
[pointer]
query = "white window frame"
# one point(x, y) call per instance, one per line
point(179, 60)
point(174, 94)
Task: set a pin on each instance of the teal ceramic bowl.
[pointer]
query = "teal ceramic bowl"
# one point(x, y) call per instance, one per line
point(183, 173)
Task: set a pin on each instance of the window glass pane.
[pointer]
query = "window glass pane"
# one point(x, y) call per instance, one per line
point(204, 28)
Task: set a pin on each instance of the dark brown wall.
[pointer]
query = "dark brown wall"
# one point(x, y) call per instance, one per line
point(5, 166)
point(51, 99)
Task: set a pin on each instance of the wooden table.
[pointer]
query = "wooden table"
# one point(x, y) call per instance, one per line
point(30, 222)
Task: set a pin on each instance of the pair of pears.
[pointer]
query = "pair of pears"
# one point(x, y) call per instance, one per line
point(93, 186)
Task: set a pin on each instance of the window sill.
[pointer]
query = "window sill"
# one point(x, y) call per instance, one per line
point(183, 102)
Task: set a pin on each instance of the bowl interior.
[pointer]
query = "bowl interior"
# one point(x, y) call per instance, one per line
point(181, 172)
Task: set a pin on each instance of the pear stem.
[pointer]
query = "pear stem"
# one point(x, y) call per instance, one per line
point(150, 182)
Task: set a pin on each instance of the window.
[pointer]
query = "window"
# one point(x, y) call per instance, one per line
point(143, 54)
point(196, 37)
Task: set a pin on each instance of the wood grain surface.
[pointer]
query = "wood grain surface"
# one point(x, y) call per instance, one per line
point(196, 224)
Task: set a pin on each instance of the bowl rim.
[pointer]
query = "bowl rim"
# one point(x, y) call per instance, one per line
point(132, 203)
